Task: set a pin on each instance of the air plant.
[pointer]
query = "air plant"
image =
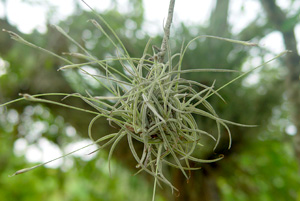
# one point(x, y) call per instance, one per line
point(151, 104)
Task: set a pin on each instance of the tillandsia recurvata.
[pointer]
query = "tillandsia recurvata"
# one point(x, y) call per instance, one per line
point(151, 103)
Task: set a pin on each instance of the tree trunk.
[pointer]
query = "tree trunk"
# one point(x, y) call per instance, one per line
point(218, 19)
point(202, 185)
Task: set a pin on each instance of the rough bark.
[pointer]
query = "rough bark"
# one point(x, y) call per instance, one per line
point(167, 31)
point(292, 60)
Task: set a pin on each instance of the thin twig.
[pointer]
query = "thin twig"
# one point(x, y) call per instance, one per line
point(167, 27)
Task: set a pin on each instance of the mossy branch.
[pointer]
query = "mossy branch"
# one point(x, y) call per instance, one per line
point(167, 28)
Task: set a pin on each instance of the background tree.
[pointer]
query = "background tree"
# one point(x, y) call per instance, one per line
point(286, 25)
point(254, 168)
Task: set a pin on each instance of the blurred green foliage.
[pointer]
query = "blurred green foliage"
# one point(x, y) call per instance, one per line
point(83, 180)
point(260, 166)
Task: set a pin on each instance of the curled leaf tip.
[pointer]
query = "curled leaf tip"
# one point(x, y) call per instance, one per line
point(20, 172)
point(64, 67)
point(177, 194)
point(252, 44)
point(27, 96)
point(95, 22)
point(14, 36)
point(93, 152)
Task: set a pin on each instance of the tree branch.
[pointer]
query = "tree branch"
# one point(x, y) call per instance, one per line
point(277, 17)
point(167, 27)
